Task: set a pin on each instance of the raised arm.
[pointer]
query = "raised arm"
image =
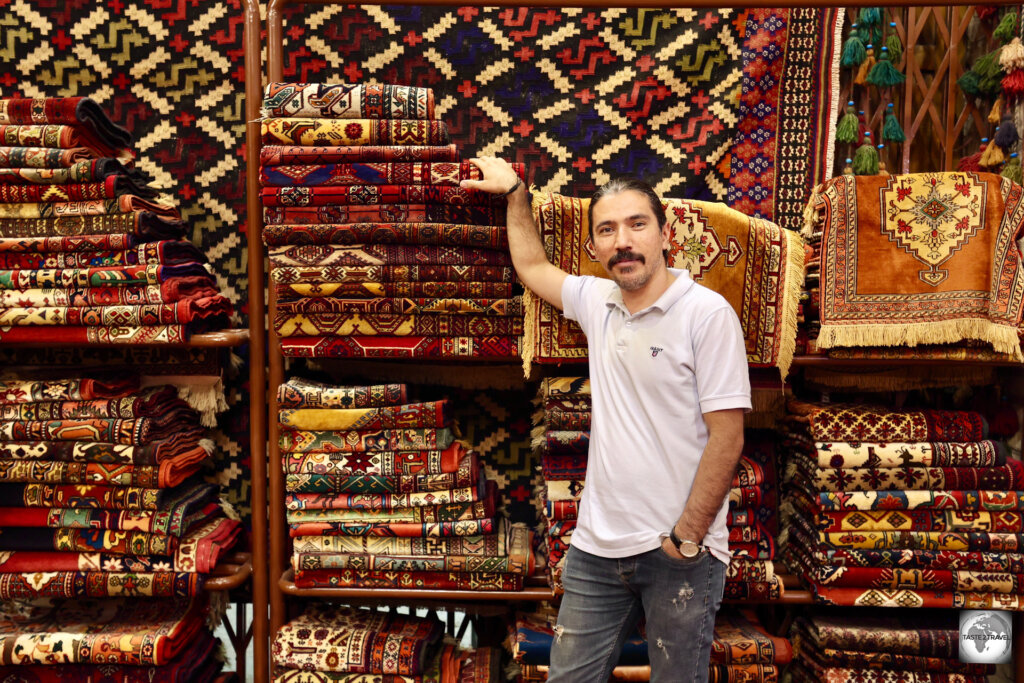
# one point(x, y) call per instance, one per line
point(528, 257)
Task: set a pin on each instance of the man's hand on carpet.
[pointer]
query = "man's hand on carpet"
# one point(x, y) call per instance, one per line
point(498, 176)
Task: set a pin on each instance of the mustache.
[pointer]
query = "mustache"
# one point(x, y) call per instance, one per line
point(625, 256)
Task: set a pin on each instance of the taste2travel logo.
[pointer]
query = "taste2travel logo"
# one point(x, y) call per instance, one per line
point(986, 637)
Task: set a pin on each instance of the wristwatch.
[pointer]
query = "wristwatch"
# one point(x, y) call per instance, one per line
point(688, 549)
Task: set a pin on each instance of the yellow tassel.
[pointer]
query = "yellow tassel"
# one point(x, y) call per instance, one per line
point(1012, 56)
point(996, 114)
point(865, 68)
point(992, 156)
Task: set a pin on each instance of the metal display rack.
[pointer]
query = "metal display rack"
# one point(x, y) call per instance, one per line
point(271, 571)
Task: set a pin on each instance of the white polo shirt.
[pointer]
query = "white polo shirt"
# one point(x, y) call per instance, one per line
point(652, 376)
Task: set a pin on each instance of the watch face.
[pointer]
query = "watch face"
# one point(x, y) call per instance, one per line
point(689, 549)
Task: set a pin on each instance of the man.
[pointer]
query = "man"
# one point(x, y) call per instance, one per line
point(669, 386)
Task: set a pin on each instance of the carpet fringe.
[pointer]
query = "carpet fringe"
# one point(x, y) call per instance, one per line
point(792, 287)
point(1003, 338)
point(528, 342)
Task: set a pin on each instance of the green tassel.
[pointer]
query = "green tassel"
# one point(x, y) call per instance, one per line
point(848, 126)
point(853, 51)
point(990, 74)
point(891, 131)
point(892, 42)
point(869, 16)
point(865, 159)
point(968, 83)
point(884, 74)
point(1013, 170)
point(1007, 28)
point(863, 32)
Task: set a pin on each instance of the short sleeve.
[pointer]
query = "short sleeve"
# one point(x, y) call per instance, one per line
point(720, 362)
point(578, 292)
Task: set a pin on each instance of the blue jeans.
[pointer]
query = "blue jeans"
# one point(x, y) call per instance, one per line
point(605, 598)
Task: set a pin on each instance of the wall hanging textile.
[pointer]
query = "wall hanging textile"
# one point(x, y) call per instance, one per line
point(919, 259)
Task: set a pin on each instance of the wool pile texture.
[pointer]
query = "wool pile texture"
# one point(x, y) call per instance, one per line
point(914, 266)
point(911, 508)
point(382, 495)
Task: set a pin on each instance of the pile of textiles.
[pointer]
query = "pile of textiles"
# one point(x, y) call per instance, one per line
point(913, 508)
point(347, 644)
point(854, 646)
point(926, 263)
point(86, 254)
point(102, 493)
point(561, 440)
point(375, 250)
point(198, 373)
point(381, 495)
point(161, 640)
point(741, 651)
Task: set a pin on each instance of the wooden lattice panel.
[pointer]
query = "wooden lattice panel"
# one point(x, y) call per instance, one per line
point(941, 124)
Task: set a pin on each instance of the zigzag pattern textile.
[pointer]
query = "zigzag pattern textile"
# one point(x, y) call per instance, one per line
point(381, 495)
point(103, 491)
point(561, 438)
point(889, 508)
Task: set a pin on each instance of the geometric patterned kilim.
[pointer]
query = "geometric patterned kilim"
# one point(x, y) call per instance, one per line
point(579, 95)
point(784, 138)
point(169, 71)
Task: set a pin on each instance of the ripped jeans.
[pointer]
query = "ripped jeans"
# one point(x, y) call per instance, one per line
point(605, 597)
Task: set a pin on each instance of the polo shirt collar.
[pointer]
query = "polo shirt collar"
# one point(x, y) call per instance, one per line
point(675, 291)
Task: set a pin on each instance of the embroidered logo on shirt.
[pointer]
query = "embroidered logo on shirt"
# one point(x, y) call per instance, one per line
point(655, 350)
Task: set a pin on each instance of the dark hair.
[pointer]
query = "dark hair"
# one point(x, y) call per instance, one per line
point(617, 185)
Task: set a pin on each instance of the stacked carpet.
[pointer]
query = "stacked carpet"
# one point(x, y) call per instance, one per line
point(375, 250)
point(328, 644)
point(854, 646)
point(561, 440)
point(913, 508)
point(86, 254)
point(126, 640)
point(923, 264)
point(381, 495)
point(741, 651)
point(102, 493)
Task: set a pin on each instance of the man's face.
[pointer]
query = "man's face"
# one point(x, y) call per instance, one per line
point(627, 238)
